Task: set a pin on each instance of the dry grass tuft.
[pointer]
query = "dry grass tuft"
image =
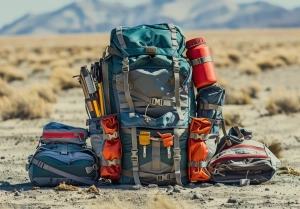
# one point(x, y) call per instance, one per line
point(92, 189)
point(283, 101)
point(275, 147)
point(48, 92)
point(233, 119)
point(238, 97)
point(5, 89)
point(63, 78)
point(288, 170)
point(65, 187)
point(24, 105)
point(248, 67)
point(9, 73)
point(38, 68)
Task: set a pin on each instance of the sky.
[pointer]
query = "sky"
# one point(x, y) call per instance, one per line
point(11, 10)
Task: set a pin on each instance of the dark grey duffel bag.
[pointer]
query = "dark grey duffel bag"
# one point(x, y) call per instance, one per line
point(247, 160)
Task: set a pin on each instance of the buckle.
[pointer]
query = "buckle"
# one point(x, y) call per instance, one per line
point(217, 172)
point(113, 135)
point(163, 177)
point(177, 155)
point(176, 68)
point(134, 155)
point(155, 101)
point(40, 164)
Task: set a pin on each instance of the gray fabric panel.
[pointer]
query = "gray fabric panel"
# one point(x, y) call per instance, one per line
point(97, 143)
point(155, 155)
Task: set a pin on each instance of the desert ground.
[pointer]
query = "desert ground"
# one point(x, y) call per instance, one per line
point(259, 69)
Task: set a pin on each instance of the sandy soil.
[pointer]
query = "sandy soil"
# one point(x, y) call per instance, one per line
point(18, 139)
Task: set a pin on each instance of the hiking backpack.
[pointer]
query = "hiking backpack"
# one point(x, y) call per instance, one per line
point(147, 82)
point(241, 159)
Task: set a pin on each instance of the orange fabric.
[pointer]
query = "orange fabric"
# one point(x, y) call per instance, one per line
point(112, 149)
point(110, 124)
point(167, 139)
point(197, 149)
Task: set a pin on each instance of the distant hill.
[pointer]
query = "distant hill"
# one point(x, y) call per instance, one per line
point(98, 16)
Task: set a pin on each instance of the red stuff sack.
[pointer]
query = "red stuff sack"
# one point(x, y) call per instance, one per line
point(110, 161)
point(201, 148)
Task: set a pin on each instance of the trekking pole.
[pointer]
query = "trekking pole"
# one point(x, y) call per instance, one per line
point(90, 88)
point(89, 106)
point(98, 76)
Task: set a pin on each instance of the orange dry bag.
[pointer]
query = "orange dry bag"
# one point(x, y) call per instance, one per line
point(110, 165)
point(203, 67)
point(198, 150)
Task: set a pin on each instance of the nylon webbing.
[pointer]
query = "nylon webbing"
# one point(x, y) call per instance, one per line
point(203, 137)
point(134, 157)
point(146, 99)
point(201, 60)
point(177, 156)
point(173, 36)
point(158, 177)
point(155, 155)
point(125, 69)
point(198, 164)
point(62, 173)
point(176, 88)
point(205, 106)
point(110, 162)
point(120, 37)
point(105, 84)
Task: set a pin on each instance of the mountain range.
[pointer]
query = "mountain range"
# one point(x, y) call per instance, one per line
point(89, 16)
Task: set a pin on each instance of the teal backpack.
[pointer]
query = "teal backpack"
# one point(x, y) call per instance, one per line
point(147, 82)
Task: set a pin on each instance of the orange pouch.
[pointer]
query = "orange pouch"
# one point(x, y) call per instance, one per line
point(198, 150)
point(110, 164)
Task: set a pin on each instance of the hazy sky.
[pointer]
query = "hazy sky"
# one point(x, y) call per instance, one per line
point(10, 10)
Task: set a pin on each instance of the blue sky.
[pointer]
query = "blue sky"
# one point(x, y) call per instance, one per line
point(10, 10)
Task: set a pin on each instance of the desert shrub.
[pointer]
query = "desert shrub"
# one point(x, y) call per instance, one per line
point(248, 67)
point(60, 63)
point(274, 146)
point(38, 68)
point(234, 55)
point(48, 92)
point(238, 97)
point(24, 105)
point(252, 90)
point(232, 119)
point(5, 89)
point(9, 73)
point(283, 101)
point(266, 63)
point(63, 78)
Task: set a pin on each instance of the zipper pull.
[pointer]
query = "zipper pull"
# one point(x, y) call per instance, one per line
point(167, 141)
point(144, 139)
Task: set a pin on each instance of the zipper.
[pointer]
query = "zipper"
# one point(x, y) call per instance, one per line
point(66, 158)
point(72, 135)
point(250, 150)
